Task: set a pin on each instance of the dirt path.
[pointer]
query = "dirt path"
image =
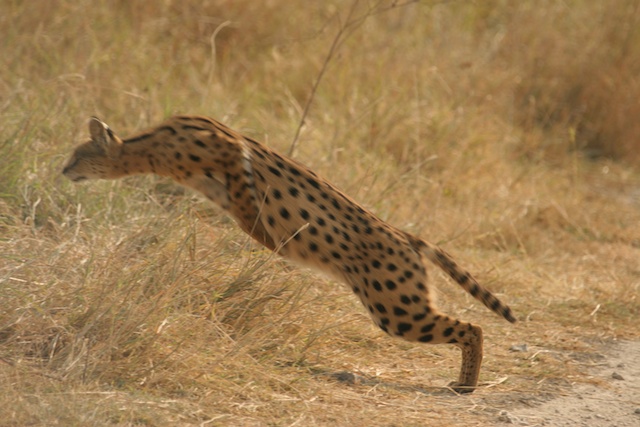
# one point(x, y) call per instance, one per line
point(614, 402)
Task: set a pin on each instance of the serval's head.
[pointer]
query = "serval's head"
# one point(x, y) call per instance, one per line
point(97, 158)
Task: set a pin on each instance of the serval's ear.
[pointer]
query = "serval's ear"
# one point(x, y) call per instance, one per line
point(104, 136)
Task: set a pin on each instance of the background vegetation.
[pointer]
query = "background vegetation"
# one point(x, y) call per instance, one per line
point(506, 131)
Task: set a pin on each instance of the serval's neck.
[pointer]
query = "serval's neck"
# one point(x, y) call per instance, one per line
point(181, 148)
point(204, 155)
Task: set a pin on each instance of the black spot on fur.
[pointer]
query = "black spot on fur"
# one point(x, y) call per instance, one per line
point(474, 289)
point(427, 328)
point(275, 171)
point(426, 338)
point(399, 311)
point(404, 327)
point(381, 308)
point(419, 317)
point(313, 183)
point(294, 171)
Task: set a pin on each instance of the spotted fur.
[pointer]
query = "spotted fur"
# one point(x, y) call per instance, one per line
point(292, 211)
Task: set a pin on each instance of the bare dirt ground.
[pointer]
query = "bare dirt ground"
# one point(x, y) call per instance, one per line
point(612, 400)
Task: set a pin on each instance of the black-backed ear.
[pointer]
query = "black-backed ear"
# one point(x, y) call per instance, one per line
point(98, 130)
point(103, 135)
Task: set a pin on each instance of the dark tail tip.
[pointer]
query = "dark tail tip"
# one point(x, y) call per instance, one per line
point(508, 314)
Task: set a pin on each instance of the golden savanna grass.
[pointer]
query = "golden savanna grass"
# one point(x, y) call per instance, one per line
point(506, 131)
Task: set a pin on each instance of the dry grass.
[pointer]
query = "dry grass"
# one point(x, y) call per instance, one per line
point(506, 131)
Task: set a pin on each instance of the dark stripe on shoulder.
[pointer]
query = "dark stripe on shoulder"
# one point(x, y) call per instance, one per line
point(147, 135)
point(138, 138)
point(190, 127)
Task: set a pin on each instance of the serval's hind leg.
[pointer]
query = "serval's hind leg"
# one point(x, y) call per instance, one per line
point(441, 329)
point(471, 347)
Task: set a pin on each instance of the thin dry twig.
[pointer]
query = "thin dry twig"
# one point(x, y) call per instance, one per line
point(345, 30)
